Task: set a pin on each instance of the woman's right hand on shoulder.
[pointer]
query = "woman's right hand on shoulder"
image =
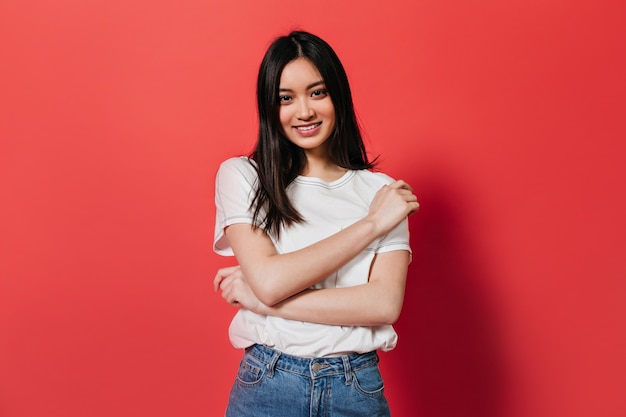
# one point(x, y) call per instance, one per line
point(391, 204)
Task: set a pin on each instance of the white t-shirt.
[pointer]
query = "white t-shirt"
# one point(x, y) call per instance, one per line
point(327, 208)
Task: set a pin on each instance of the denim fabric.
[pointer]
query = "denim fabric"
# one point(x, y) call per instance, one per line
point(273, 384)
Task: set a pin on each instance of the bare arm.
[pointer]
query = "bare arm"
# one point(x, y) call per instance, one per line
point(377, 302)
point(275, 277)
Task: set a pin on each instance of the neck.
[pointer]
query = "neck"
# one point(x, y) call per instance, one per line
point(322, 168)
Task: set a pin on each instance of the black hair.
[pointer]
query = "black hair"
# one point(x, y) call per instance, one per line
point(279, 161)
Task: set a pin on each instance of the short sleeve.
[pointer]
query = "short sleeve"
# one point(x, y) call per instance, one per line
point(235, 183)
point(396, 239)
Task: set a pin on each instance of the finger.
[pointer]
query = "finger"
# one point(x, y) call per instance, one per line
point(229, 270)
point(219, 276)
point(405, 192)
point(401, 184)
point(223, 273)
point(227, 282)
point(411, 197)
point(217, 281)
point(227, 295)
point(230, 297)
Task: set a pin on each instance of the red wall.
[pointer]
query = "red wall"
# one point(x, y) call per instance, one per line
point(507, 118)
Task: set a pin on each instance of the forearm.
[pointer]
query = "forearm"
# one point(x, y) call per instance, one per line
point(364, 305)
point(377, 302)
point(275, 277)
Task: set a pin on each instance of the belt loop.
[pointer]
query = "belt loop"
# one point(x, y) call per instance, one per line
point(347, 369)
point(272, 365)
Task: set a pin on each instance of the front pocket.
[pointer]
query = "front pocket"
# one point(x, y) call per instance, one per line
point(250, 372)
point(368, 381)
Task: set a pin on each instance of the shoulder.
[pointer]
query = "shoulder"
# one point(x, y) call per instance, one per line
point(238, 163)
point(376, 179)
point(238, 167)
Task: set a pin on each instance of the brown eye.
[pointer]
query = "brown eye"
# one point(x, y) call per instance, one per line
point(319, 93)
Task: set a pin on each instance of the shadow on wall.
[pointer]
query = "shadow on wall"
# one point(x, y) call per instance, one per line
point(448, 362)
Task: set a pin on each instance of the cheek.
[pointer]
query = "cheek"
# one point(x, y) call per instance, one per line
point(284, 116)
point(330, 113)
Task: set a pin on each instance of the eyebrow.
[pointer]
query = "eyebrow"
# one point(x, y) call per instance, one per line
point(308, 87)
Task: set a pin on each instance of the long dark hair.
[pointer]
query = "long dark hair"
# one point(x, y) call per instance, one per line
point(279, 161)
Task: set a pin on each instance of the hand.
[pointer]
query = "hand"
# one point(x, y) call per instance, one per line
point(235, 289)
point(391, 204)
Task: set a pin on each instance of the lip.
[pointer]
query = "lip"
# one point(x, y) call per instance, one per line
point(310, 129)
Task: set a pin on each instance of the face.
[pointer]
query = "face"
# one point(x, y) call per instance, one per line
point(306, 111)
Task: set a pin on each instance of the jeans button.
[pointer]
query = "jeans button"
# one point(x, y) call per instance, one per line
point(315, 367)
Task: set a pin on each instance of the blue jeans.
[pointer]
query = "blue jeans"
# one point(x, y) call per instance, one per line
point(274, 384)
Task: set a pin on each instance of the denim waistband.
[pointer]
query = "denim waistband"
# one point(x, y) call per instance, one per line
point(314, 367)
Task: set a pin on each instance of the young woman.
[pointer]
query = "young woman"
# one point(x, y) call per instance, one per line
point(321, 241)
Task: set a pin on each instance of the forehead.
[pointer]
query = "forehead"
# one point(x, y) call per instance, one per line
point(299, 73)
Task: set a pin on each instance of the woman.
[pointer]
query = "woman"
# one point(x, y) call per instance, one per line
point(321, 242)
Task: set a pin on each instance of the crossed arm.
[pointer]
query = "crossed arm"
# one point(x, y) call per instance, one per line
point(279, 284)
point(377, 302)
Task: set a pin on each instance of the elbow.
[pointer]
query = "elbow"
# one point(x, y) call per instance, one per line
point(389, 314)
point(385, 306)
point(389, 318)
point(268, 298)
point(266, 293)
point(393, 319)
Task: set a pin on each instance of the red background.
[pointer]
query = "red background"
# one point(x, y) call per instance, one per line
point(506, 117)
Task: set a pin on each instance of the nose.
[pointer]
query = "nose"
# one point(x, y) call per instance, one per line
point(305, 111)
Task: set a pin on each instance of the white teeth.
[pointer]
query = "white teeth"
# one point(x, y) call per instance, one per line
point(308, 127)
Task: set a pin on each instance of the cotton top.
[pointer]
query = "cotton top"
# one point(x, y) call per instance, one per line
point(327, 208)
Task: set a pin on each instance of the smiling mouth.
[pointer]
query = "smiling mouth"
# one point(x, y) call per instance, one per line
point(308, 127)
